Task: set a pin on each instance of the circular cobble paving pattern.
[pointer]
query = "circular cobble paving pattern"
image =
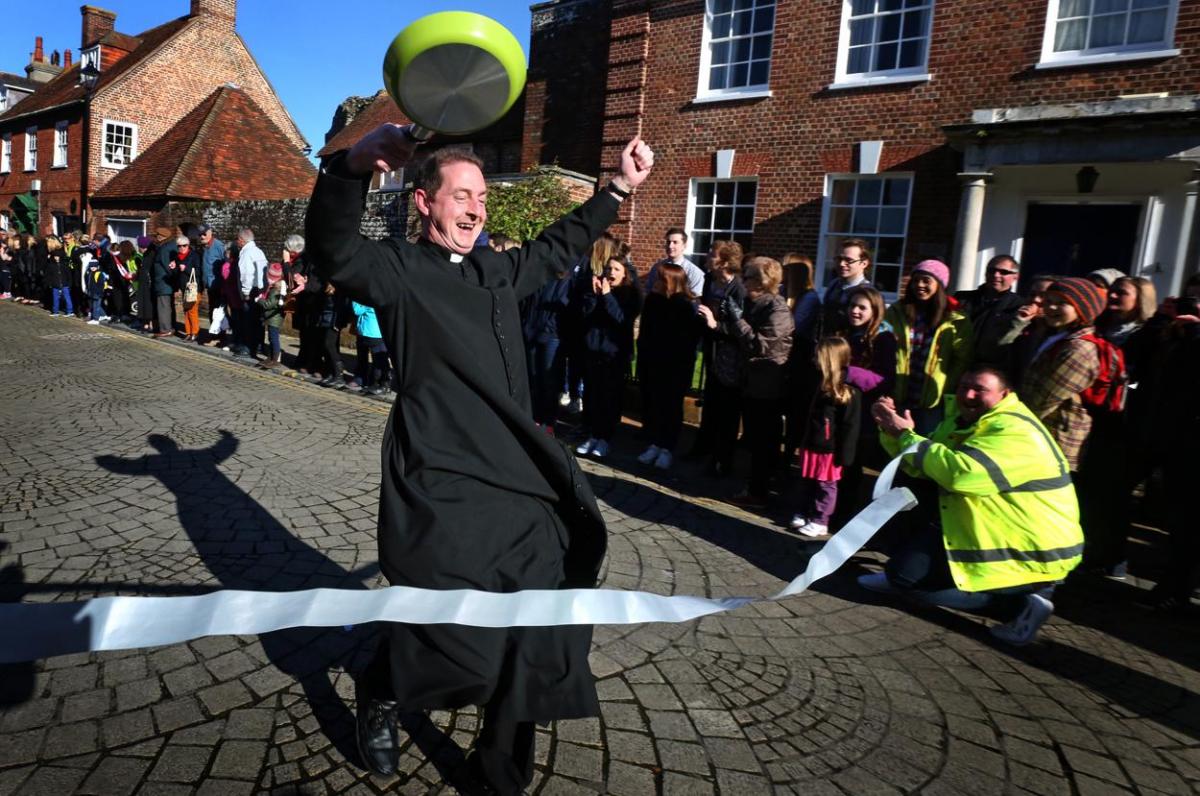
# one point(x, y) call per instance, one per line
point(129, 466)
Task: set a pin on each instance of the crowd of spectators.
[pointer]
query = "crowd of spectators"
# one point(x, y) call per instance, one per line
point(805, 377)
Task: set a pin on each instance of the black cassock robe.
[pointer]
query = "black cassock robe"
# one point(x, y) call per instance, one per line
point(473, 494)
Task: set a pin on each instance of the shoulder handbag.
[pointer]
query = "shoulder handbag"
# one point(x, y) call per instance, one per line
point(191, 292)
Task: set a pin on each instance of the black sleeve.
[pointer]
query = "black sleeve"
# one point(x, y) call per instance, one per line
point(369, 272)
point(561, 244)
point(849, 429)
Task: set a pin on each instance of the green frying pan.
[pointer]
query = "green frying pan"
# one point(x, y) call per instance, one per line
point(454, 72)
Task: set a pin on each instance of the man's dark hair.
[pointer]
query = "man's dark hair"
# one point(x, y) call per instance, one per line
point(1003, 258)
point(429, 179)
point(992, 370)
point(863, 246)
point(676, 231)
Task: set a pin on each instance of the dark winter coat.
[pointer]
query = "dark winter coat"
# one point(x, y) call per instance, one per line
point(546, 310)
point(58, 270)
point(831, 427)
point(993, 317)
point(474, 495)
point(667, 337)
point(765, 336)
point(607, 321)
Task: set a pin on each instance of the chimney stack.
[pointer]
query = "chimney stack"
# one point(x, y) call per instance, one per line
point(66, 59)
point(216, 12)
point(96, 23)
point(39, 69)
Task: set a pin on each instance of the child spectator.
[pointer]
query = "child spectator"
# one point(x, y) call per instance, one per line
point(830, 436)
point(372, 373)
point(271, 302)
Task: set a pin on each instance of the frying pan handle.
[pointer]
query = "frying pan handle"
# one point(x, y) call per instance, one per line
point(418, 134)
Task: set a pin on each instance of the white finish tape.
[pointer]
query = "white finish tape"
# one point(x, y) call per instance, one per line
point(32, 631)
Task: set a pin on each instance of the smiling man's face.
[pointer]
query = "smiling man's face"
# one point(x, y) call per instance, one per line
point(455, 216)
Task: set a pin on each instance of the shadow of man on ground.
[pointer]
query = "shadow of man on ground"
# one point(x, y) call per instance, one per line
point(245, 547)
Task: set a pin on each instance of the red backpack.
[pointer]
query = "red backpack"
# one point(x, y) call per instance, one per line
point(1107, 393)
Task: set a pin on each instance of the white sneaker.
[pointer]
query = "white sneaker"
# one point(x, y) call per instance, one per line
point(1025, 627)
point(105, 319)
point(586, 447)
point(813, 529)
point(600, 450)
point(877, 582)
point(564, 399)
point(664, 460)
point(93, 323)
point(649, 455)
point(798, 522)
point(575, 407)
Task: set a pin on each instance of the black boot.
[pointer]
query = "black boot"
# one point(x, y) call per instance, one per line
point(378, 731)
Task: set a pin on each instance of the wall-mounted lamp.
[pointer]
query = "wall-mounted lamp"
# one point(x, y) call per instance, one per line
point(1085, 179)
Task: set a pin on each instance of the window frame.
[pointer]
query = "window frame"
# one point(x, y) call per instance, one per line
point(703, 93)
point(1050, 59)
point(823, 253)
point(31, 149)
point(6, 153)
point(842, 78)
point(690, 227)
point(61, 145)
point(133, 144)
point(3, 98)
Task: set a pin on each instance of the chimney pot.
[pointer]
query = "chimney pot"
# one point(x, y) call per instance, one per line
point(39, 55)
point(66, 59)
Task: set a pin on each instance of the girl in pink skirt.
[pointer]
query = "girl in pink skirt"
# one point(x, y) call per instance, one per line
point(830, 436)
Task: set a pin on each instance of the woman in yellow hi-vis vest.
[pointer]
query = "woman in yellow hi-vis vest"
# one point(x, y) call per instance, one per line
point(1008, 513)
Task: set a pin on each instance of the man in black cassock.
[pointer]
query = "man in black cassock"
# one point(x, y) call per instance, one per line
point(474, 495)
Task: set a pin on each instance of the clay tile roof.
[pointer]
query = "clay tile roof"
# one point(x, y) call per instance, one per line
point(65, 89)
point(224, 148)
point(9, 79)
point(381, 111)
point(121, 41)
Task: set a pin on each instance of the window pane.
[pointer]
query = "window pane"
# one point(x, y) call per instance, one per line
point(1069, 35)
point(1140, 4)
point(747, 192)
point(721, 25)
point(759, 72)
point(1109, 6)
point(887, 278)
point(743, 218)
point(1107, 31)
point(764, 20)
point(723, 218)
point(860, 60)
point(866, 220)
point(704, 193)
point(741, 50)
point(869, 192)
point(839, 219)
point(843, 192)
point(1147, 26)
point(702, 241)
point(738, 75)
point(762, 47)
point(861, 31)
point(889, 27)
point(741, 23)
point(891, 220)
point(719, 77)
point(741, 5)
point(896, 192)
point(862, 7)
point(912, 53)
point(891, 5)
point(914, 24)
point(885, 57)
point(1072, 8)
point(888, 250)
point(704, 216)
point(725, 192)
point(720, 53)
point(721, 6)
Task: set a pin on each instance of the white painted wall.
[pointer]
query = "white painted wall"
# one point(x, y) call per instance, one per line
point(1159, 185)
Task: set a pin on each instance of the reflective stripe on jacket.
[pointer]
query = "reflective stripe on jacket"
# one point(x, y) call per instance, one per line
point(1008, 508)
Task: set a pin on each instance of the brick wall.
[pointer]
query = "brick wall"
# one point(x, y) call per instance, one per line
point(982, 55)
point(564, 93)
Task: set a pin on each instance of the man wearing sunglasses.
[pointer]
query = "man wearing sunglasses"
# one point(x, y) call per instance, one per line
point(992, 309)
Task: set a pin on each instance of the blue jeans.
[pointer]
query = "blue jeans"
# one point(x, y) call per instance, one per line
point(62, 293)
point(920, 568)
point(96, 296)
point(273, 336)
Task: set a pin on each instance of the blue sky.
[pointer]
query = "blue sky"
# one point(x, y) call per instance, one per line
point(314, 53)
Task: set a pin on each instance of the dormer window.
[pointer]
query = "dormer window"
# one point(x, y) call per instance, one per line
point(90, 56)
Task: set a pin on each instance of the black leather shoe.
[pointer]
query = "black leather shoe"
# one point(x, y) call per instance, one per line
point(377, 732)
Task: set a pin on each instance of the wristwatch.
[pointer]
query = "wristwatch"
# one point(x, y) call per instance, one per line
point(617, 191)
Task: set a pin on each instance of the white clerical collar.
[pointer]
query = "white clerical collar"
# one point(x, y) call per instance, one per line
point(455, 257)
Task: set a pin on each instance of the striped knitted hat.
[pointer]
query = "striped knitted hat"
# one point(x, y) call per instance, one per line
point(1085, 296)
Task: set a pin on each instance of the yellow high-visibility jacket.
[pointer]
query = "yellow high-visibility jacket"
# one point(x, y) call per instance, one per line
point(1008, 507)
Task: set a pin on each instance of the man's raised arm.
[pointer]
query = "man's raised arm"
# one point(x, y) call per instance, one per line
point(365, 270)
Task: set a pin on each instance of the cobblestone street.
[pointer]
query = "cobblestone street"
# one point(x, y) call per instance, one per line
point(132, 466)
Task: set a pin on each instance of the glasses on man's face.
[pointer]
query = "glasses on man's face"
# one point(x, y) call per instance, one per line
point(843, 260)
point(1002, 271)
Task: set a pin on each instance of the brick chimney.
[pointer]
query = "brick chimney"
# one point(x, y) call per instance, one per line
point(216, 12)
point(66, 59)
point(39, 54)
point(96, 23)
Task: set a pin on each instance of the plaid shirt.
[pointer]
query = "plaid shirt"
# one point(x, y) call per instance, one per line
point(920, 340)
point(1052, 386)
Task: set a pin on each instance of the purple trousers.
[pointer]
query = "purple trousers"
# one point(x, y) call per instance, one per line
point(818, 499)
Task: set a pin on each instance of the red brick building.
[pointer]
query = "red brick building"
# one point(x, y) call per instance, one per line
point(147, 84)
point(1066, 133)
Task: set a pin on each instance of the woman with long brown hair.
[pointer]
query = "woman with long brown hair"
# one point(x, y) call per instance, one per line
point(666, 354)
point(722, 361)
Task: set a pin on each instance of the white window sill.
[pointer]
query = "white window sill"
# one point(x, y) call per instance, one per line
point(880, 80)
point(114, 166)
point(733, 96)
point(1064, 62)
point(59, 166)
